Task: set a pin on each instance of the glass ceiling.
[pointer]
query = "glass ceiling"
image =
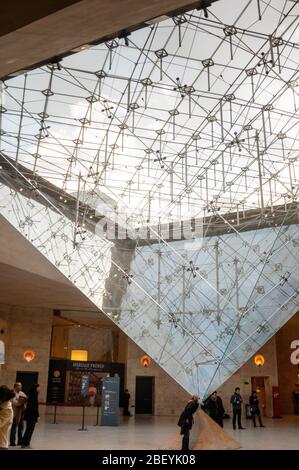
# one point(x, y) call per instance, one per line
point(188, 115)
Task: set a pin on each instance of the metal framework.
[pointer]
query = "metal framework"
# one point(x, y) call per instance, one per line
point(194, 119)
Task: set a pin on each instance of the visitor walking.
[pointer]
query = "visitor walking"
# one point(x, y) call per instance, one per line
point(31, 416)
point(255, 409)
point(18, 406)
point(6, 415)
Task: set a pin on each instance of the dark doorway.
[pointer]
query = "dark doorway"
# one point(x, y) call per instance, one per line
point(144, 395)
point(27, 379)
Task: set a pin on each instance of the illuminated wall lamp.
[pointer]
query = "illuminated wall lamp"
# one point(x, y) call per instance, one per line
point(145, 361)
point(29, 355)
point(259, 360)
point(79, 355)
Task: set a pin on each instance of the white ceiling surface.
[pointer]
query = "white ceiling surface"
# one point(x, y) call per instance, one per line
point(232, 146)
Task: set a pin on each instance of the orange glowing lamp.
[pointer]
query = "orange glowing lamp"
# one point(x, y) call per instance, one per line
point(259, 360)
point(145, 361)
point(29, 355)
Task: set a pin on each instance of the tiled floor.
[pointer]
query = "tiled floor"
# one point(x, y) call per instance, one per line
point(152, 432)
point(278, 434)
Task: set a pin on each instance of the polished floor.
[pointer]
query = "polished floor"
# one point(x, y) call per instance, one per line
point(151, 432)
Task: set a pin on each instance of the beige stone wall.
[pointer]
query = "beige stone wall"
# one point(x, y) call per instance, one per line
point(26, 328)
point(98, 342)
point(105, 344)
point(169, 397)
point(269, 371)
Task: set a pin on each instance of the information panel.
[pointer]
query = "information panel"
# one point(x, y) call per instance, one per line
point(110, 401)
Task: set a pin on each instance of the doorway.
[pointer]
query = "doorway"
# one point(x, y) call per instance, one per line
point(144, 394)
point(27, 379)
point(258, 384)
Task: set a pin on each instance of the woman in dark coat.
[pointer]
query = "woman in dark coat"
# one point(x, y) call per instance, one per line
point(215, 408)
point(31, 415)
point(186, 420)
point(255, 409)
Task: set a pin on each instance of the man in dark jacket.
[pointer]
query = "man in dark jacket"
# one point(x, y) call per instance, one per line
point(31, 415)
point(255, 409)
point(186, 420)
point(215, 408)
point(236, 402)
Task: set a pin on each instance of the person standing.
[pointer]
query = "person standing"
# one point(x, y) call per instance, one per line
point(186, 420)
point(31, 416)
point(255, 409)
point(236, 402)
point(18, 405)
point(215, 408)
point(6, 415)
point(126, 402)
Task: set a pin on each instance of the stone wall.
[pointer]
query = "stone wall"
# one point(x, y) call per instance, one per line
point(98, 342)
point(26, 328)
point(169, 398)
point(104, 344)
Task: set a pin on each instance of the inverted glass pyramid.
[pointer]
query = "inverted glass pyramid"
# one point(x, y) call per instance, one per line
point(160, 175)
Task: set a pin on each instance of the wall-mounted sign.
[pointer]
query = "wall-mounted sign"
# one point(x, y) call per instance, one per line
point(82, 365)
point(2, 353)
point(295, 354)
point(29, 355)
point(56, 381)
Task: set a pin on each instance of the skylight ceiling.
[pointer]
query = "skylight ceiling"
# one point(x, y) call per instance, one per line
point(186, 116)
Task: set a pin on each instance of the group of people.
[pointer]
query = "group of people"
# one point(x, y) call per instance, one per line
point(15, 409)
point(214, 407)
point(236, 402)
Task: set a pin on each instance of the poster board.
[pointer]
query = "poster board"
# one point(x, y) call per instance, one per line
point(110, 401)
